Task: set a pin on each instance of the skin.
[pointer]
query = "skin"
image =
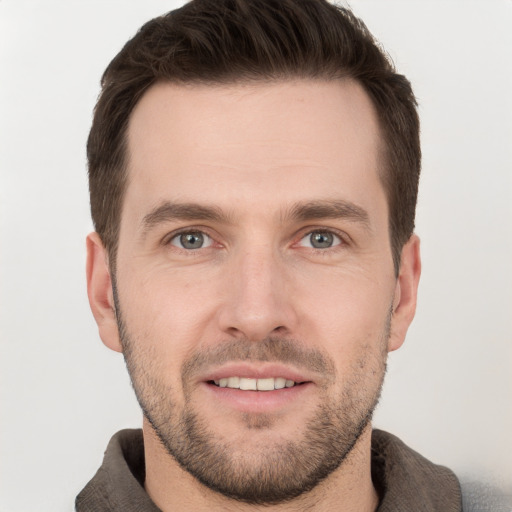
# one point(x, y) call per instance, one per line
point(258, 154)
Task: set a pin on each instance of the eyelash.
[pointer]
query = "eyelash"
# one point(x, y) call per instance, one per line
point(188, 231)
point(343, 239)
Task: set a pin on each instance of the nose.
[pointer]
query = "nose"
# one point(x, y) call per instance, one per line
point(258, 299)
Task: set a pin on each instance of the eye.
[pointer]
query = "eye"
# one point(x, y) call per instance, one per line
point(191, 240)
point(320, 240)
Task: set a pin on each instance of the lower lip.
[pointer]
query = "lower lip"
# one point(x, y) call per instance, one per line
point(258, 401)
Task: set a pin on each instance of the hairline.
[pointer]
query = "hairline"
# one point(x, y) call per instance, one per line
point(255, 79)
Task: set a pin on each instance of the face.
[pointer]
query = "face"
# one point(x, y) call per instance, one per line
point(255, 292)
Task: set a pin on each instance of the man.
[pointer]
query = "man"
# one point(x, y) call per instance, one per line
point(253, 173)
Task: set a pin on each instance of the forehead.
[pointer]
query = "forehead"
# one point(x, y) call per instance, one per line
point(252, 144)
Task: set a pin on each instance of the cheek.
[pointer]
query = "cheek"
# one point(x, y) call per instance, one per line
point(160, 323)
point(168, 310)
point(175, 312)
point(346, 311)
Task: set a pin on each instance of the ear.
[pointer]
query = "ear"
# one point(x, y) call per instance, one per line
point(406, 291)
point(99, 291)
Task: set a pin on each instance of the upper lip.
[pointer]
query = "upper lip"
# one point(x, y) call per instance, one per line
point(256, 371)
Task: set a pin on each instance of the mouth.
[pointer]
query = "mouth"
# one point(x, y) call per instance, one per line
point(253, 388)
point(250, 384)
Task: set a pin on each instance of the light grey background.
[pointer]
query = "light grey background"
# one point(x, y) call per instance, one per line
point(448, 392)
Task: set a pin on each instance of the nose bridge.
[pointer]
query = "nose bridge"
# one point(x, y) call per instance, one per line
point(258, 303)
point(257, 269)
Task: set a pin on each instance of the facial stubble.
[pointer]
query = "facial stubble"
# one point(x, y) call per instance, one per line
point(279, 471)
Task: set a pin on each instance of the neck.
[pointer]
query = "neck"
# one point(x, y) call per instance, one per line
point(349, 488)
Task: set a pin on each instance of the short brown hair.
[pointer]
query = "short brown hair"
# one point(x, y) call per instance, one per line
point(229, 41)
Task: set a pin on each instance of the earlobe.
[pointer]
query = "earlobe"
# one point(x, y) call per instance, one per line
point(406, 291)
point(99, 291)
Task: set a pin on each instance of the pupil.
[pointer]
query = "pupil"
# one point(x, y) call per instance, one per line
point(321, 240)
point(192, 240)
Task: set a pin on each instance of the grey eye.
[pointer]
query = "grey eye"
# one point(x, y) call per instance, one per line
point(191, 240)
point(320, 240)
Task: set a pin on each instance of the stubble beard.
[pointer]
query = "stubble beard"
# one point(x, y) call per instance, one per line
point(279, 471)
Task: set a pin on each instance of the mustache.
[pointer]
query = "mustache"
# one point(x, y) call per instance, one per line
point(272, 349)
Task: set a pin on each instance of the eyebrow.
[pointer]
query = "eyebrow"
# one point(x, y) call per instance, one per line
point(329, 209)
point(168, 211)
point(299, 212)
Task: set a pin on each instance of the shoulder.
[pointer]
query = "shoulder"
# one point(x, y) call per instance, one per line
point(409, 481)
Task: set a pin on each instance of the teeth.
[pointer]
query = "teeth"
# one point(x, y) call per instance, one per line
point(279, 383)
point(233, 382)
point(246, 384)
point(265, 384)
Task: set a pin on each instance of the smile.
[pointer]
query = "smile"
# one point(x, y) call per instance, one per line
point(255, 389)
point(248, 384)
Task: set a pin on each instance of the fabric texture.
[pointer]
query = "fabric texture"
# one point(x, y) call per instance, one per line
point(405, 480)
point(411, 482)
